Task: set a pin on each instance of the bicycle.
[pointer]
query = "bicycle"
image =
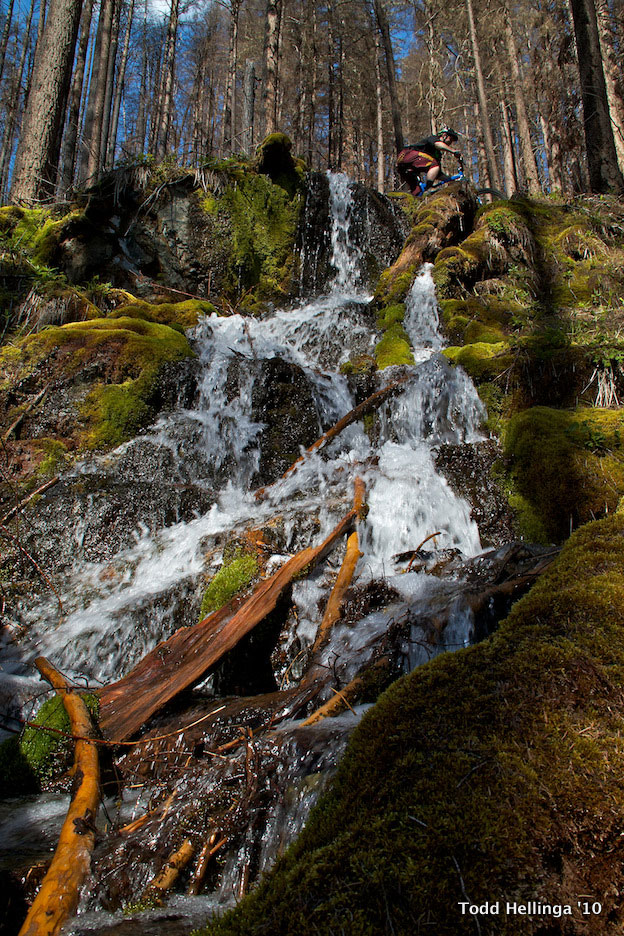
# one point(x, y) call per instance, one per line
point(458, 177)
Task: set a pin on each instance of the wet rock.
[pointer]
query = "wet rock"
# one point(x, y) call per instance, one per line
point(375, 222)
point(468, 469)
point(282, 399)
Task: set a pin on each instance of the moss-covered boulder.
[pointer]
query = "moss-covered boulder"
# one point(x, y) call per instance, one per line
point(482, 776)
point(566, 467)
point(83, 385)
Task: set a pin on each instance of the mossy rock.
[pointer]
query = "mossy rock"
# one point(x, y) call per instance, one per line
point(179, 315)
point(394, 348)
point(567, 467)
point(123, 358)
point(38, 756)
point(483, 361)
point(493, 772)
point(234, 575)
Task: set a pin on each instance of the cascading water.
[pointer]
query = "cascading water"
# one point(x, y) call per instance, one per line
point(117, 610)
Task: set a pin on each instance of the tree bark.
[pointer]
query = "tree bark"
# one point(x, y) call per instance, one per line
point(36, 161)
point(524, 129)
point(271, 64)
point(612, 68)
point(488, 140)
point(604, 173)
point(384, 31)
point(68, 155)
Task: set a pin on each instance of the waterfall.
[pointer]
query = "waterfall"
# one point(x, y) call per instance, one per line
point(115, 611)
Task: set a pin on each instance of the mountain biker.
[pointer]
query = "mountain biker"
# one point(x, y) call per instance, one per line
point(424, 157)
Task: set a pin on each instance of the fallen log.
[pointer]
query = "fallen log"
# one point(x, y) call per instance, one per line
point(375, 399)
point(58, 895)
point(184, 659)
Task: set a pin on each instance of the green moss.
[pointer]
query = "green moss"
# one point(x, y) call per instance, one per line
point(394, 348)
point(393, 287)
point(38, 756)
point(483, 773)
point(482, 361)
point(263, 218)
point(233, 576)
point(566, 466)
point(178, 315)
point(55, 457)
point(389, 315)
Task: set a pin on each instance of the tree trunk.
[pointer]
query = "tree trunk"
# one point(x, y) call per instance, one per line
point(271, 64)
point(249, 106)
point(166, 102)
point(68, 156)
point(119, 87)
point(488, 141)
point(612, 67)
point(604, 173)
point(229, 114)
point(36, 161)
point(384, 31)
point(12, 112)
point(6, 32)
point(381, 158)
point(110, 83)
point(141, 121)
point(524, 129)
point(92, 131)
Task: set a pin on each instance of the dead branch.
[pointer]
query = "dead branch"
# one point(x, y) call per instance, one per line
point(170, 871)
point(371, 402)
point(58, 896)
point(22, 504)
point(27, 409)
point(210, 849)
point(341, 700)
point(333, 609)
point(188, 654)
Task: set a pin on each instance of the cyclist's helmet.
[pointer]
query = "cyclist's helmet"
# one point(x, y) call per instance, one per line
point(452, 133)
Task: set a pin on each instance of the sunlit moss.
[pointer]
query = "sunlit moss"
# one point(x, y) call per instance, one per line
point(232, 577)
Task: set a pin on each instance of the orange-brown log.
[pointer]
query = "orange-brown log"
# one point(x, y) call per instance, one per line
point(187, 655)
point(375, 399)
point(334, 604)
point(170, 872)
point(58, 895)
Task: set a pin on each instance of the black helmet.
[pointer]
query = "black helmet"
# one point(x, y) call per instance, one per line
point(452, 133)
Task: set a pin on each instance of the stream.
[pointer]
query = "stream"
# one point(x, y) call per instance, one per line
point(117, 609)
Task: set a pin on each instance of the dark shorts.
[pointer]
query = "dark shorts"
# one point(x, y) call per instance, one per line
point(411, 159)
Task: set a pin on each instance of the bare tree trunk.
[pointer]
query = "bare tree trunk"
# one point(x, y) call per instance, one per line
point(249, 101)
point(271, 64)
point(6, 32)
point(92, 134)
point(511, 179)
point(604, 173)
point(488, 141)
point(612, 68)
point(330, 84)
point(36, 161)
point(168, 80)
point(384, 30)
point(12, 113)
point(119, 87)
point(524, 130)
point(141, 122)
point(68, 156)
point(553, 156)
point(110, 83)
point(229, 115)
point(381, 157)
